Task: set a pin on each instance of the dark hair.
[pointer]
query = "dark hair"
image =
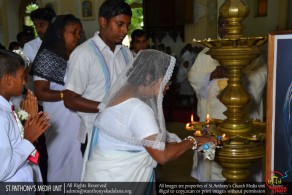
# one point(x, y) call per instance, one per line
point(9, 62)
point(24, 37)
point(151, 62)
point(2, 46)
point(13, 44)
point(54, 38)
point(112, 8)
point(46, 13)
point(139, 33)
point(222, 22)
point(20, 35)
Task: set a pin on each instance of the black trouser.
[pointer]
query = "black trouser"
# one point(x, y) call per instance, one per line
point(43, 156)
point(83, 146)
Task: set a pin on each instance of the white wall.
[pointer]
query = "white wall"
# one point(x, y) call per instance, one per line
point(289, 14)
point(10, 17)
point(74, 7)
point(90, 27)
point(1, 22)
point(261, 26)
point(175, 46)
point(13, 19)
point(9, 25)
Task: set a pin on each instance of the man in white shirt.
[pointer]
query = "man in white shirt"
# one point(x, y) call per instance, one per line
point(41, 18)
point(199, 76)
point(96, 64)
point(139, 41)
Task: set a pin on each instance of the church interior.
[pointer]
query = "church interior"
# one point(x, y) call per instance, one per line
point(194, 22)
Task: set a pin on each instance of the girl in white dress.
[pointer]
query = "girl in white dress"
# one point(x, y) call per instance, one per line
point(49, 69)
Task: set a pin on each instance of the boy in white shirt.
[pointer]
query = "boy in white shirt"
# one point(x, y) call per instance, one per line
point(18, 157)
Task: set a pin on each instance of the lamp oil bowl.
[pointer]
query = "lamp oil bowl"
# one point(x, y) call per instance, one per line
point(193, 126)
point(198, 133)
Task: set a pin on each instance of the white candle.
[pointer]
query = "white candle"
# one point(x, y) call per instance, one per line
point(192, 119)
point(208, 119)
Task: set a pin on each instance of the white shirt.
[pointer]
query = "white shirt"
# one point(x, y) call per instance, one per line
point(134, 54)
point(132, 118)
point(182, 78)
point(14, 150)
point(31, 48)
point(188, 56)
point(254, 82)
point(203, 66)
point(85, 75)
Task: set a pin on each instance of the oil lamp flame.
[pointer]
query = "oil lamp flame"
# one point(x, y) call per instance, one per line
point(208, 119)
point(190, 126)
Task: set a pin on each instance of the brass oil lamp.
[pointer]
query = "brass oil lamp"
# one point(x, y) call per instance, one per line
point(245, 139)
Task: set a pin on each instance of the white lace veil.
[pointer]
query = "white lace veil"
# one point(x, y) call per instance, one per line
point(149, 69)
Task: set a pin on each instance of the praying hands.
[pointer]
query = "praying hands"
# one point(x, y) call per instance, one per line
point(30, 104)
point(37, 122)
point(35, 126)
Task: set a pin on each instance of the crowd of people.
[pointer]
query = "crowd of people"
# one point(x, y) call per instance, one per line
point(100, 102)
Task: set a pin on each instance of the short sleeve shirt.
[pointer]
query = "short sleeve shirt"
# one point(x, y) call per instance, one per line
point(87, 77)
point(132, 118)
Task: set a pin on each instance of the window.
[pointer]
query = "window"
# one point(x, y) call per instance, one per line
point(137, 17)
